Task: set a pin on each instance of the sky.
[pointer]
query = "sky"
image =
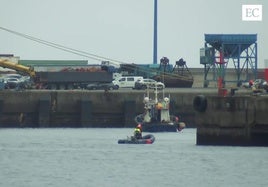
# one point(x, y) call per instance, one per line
point(123, 29)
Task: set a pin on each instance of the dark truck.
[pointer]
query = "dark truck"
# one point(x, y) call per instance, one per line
point(72, 79)
point(62, 79)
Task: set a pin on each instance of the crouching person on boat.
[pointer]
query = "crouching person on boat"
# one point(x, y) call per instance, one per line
point(138, 132)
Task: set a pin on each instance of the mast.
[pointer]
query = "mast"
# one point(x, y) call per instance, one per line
point(155, 33)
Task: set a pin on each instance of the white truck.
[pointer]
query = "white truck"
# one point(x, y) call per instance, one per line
point(126, 81)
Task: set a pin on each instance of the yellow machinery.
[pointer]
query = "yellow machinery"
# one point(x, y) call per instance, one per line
point(18, 67)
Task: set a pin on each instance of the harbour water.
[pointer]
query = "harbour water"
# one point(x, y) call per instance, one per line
point(92, 157)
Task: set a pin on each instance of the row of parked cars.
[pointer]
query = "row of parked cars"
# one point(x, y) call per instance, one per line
point(11, 81)
point(133, 82)
point(257, 85)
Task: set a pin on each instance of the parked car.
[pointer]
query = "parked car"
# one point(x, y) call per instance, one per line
point(17, 76)
point(150, 83)
point(15, 81)
point(126, 82)
point(12, 83)
point(101, 86)
point(2, 84)
point(258, 83)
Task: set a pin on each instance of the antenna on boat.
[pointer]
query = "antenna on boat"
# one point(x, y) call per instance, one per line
point(163, 92)
point(148, 92)
point(156, 93)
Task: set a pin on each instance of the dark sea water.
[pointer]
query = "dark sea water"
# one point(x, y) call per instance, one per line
point(92, 157)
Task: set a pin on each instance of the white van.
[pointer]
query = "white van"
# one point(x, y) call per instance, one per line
point(126, 82)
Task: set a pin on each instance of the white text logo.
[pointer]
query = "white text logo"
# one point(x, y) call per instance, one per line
point(252, 12)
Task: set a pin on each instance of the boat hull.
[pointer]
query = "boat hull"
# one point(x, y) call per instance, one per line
point(147, 139)
point(175, 81)
point(151, 127)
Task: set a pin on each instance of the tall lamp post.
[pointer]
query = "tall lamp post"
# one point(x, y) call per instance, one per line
point(155, 33)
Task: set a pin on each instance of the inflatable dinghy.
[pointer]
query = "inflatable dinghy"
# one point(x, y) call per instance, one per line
point(147, 139)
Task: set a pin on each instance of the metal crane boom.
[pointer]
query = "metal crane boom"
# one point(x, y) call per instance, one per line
point(18, 67)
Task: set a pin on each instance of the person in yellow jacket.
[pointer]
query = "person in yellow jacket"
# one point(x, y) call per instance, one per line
point(138, 132)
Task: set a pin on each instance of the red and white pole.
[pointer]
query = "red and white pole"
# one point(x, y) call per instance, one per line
point(266, 69)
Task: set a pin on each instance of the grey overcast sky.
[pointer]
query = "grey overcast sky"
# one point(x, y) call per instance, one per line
point(123, 29)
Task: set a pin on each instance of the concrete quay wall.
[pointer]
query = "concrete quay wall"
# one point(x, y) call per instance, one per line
point(82, 108)
point(232, 120)
point(240, 119)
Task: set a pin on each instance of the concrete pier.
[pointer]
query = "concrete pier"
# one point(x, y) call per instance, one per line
point(232, 120)
point(83, 108)
point(44, 112)
point(85, 113)
point(239, 119)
